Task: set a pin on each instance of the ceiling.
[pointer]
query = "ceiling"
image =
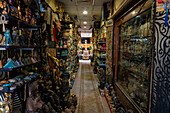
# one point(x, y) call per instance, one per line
point(76, 7)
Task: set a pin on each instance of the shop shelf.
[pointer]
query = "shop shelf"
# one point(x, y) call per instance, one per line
point(62, 48)
point(101, 42)
point(63, 57)
point(102, 57)
point(104, 65)
point(21, 24)
point(12, 69)
point(3, 47)
point(11, 91)
point(102, 50)
point(7, 91)
point(65, 22)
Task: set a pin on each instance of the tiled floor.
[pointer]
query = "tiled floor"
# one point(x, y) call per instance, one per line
point(86, 89)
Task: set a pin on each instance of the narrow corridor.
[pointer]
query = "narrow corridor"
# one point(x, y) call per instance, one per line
point(86, 89)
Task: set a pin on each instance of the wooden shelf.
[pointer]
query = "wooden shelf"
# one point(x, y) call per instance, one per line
point(102, 50)
point(62, 57)
point(101, 57)
point(14, 21)
point(12, 69)
point(66, 22)
point(104, 65)
point(62, 48)
point(7, 91)
point(3, 47)
point(101, 42)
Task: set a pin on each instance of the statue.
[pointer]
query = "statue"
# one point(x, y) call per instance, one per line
point(7, 38)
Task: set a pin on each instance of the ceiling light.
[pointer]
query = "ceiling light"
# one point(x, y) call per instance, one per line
point(134, 12)
point(84, 26)
point(85, 12)
point(85, 22)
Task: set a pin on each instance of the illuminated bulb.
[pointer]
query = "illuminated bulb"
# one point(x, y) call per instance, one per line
point(85, 12)
point(85, 22)
point(133, 12)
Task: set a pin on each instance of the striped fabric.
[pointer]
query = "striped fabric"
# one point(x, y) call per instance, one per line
point(17, 103)
point(2, 97)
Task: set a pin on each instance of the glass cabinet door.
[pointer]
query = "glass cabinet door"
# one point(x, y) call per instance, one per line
point(135, 57)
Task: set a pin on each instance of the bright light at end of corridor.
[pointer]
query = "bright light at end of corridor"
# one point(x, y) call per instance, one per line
point(85, 22)
point(85, 12)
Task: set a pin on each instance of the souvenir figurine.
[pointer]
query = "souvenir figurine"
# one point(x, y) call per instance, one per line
point(60, 10)
point(8, 39)
point(32, 60)
point(61, 44)
point(17, 63)
point(14, 36)
point(101, 40)
point(21, 40)
point(19, 10)
point(6, 102)
point(3, 21)
point(57, 45)
point(27, 15)
point(65, 44)
point(2, 40)
point(20, 60)
point(43, 6)
point(1, 66)
point(29, 60)
point(33, 20)
point(67, 18)
point(5, 10)
point(1, 5)
point(37, 16)
point(10, 64)
point(26, 61)
point(69, 44)
point(13, 10)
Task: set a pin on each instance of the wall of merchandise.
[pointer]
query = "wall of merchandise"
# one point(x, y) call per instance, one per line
point(38, 59)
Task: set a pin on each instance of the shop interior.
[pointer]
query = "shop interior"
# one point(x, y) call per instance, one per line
point(83, 56)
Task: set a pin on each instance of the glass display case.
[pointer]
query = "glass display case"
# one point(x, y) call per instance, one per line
point(134, 64)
